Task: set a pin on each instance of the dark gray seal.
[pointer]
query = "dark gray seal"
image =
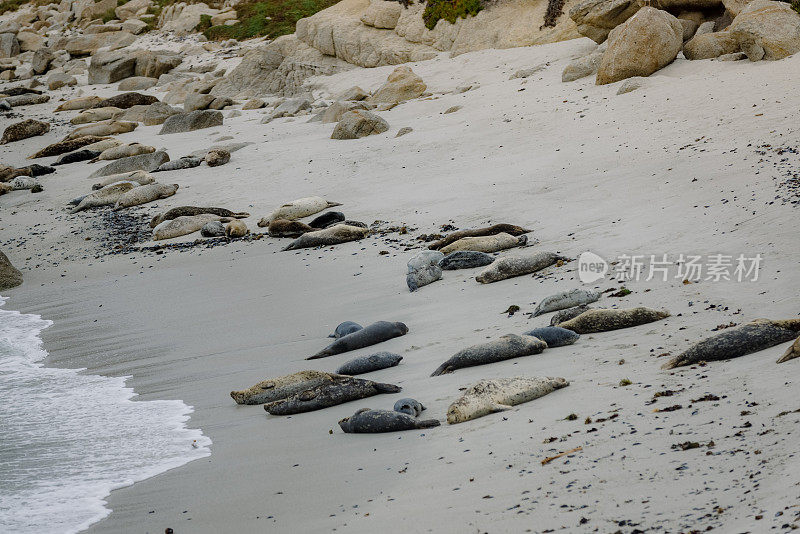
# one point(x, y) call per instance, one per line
point(326, 219)
point(213, 229)
point(330, 394)
point(465, 259)
point(76, 156)
point(370, 335)
point(565, 315)
point(37, 170)
point(554, 336)
point(738, 341)
point(366, 364)
point(411, 407)
point(186, 162)
point(505, 348)
point(347, 327)
point(603, 320)
point(366, 421)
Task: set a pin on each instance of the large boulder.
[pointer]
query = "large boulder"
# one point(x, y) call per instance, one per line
point(194, 120)
point(9, 275)
point(42, 59)
point(582, 67)
point(9, 45)
point(734, 7)
point(58, 80)
point(157, 113)
point(136, 83)
point(142, 162)
point(86, 45)
point(382, 14)
point(596, 18)
point(401, 85)
point(30, 41)
point(155, 63)
point(195, 101)
point(89, 9)
point(182, 18)
point(23, 130)
point(359, 123)
point(710, 45)
point(645, 43)
point(334, 112)
point(110, 67)
point(767, 30)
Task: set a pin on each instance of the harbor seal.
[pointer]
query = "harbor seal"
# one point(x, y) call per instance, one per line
point(217, 157)
point(83, 154)
point(326, 219)
point(373, 334)
point(212, 229)
point(333, 235)
point(490, 396)
point(504, 268)
point(491, 243)
point(411, 407)
point(144, 194)
point(465, 259)
point(347, 327)
point(737, 341)
point(140, 177)
point(186, 162)
point(423, 269)
point(180, 226)
point(194, 210)
point(287, 228)
point(102, 129)
point(282, 387)
point(105, 196)
point(366, 364)
point(366, 421)
point(570, 313)
point(602, 320)
point(507, 347)
point(554, 336)
point(297, 209)
point(479, 232)
point(62, 147)
point(792, 352)
point(329, 394)
point(566, 299)
point(104, 143)
point(236, 229)
point(125, 151)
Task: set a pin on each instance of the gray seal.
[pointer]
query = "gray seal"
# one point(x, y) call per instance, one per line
point(479, 232)
point(186, 162)
point(465, 259)
point(347, 327)
point(423, 269)
point(327, 219)
point(602, 320)
point(74, 157)
point(411, 407)
point(370, 335)
point(566, 299)
point(329, 394)
point(570, 313)
point(366, 421)
point(213, 229)
point(507, 347)
point(739, 341)
point(373, 362)
point(182, 211)
point(554, 336)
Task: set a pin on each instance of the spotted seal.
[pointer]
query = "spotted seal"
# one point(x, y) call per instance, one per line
point(465, 259)
point(186, 162)
point(423, 269)
point(792, 352)
point(507, 347)
point(184, 225)
point(83, 154)
point(510, 229)
point(333, 235)
point(490, 396)
point(125, 151)
point(491, 243)
point(566, 299)
point(366, 364)
point(105, 196)
point(282, 387)
point(377, 332)
point(326, 219)
point(509, 267)
point(570, 313)
point(213, 229)
point(329, 394)
point(366, 421)
point(62, 147)
point(737, 341)
point(297, 209)
point(347, 327)
point(140, 177)
point(287, 228)
point(144, 194)
point(194, 210)
point(603, 320)
point(411, 407)
point(554, 336)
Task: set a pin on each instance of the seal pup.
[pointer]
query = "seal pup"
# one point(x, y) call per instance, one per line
point(490, 396)
point(333, 235)
point(329, 394)
point(105, 196)
point(366, 364)
point(282, 387)
point(212, 229)
point(236, 229)
point(491, 243)
point(603, 320)
point(347, 327)
point(144, 194)
point(187, 224)
point(479, 232)
point(83, 154)
point(566, 299)
point(140, 177)
point(465, 259)
point(554, 336)
point(792, 352)
point(370, 335)
point(423, 269)
point(411, 407)
point(326, 219)
point(504, 268)
point(570, 313)
point(186, 162)
point(297, 209)
point(366, 421)
point(737, 341)
point(507, 347)
point(125, 151)
point(194, 210)
point(287, 228)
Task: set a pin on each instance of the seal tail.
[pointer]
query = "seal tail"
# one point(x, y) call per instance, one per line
point(387, 388)
point(333, 204)
point(442, 369)
point(240, 215)
point(428, 423)
point(321, 354)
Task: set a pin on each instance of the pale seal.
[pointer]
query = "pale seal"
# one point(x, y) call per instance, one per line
point(105, 196)
point(287, 228)
point(491, 243)
point(478, 232)
point(504, 268)
point(366, 421)
point(326, 219)
point(570, 313)
point(217, 157)
point(792, 352)
point(282, 387)
point(408, 406)
point(347, 327)
point(602, 320)
point(140, 177)
point(366, 364)
point(125, 151)
point(194, 210)
point(184, 225)
point(490, 396)
point(423, 269)
point(554, 336)
point(236, 228)
point(329, 394)
point(465, 259)
point(297, 209)
point(333, 235)
point(507, 347)
point(737, 341)
point(144, 194)
point(566, 299)
point(373, 334)
point(212, 229)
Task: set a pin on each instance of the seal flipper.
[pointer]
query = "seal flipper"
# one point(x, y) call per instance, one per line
point(443, 369)
point(324, 353)
point(496, 407)
point(428, 423)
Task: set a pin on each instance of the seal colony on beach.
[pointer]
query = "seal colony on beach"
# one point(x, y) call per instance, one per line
point(329, 394)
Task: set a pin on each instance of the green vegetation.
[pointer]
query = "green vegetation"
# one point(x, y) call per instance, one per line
point(272, 19)
point(11, 5)
point(449, 10)
point(108, 15)
point(205, 23)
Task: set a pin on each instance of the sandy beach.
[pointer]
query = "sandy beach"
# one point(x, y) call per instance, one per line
point(688, 164)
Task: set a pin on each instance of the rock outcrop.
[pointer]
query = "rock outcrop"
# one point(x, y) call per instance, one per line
point(765, 29)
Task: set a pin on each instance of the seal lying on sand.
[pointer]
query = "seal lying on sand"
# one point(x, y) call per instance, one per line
point(366, 364)
point(287, 228)
point(411, 407)
point(186, 162)
point(333, 235)
point(423, 269)
point(491, 243)
point(566, 299)
point(125, 151)
point(140, 177)
point(329, 394)
point(792, 352)
point(105, 196)
point(62, 147)
point(478, 232)
point(194, 210)
point(297, 209)
point(503, 268)
point(601, 320)
point(275, 389)
point(366, 421)
point(180, 226)
point(738, 341)
point(371, 335)
point(83, 154)
point(144, 194)
point(507, 347)
point(554, 336)
point(570, 313)
point(236, 229)
point(465, 259)
point(326, 219)
point(213, 229)
point(347, 327)
point(490, 396)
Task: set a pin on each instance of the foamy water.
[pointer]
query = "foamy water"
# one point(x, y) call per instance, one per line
point(67, 439)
